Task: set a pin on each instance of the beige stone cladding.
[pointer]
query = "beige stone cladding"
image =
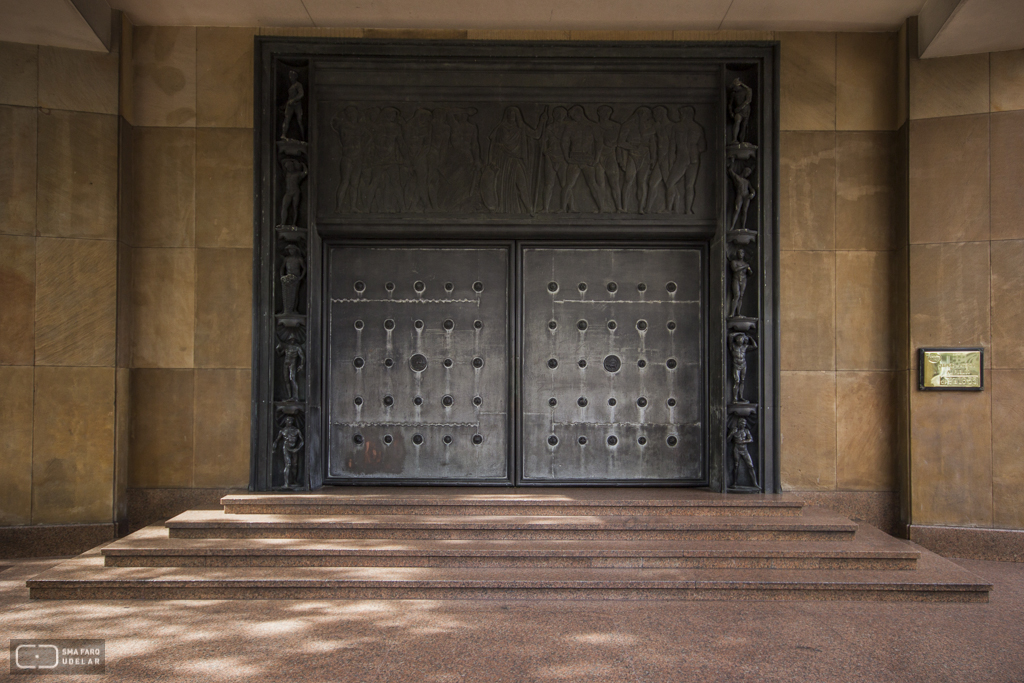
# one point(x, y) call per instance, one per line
point(59, 276)
point(966, 288)
point(191, 243)
point(838, 236)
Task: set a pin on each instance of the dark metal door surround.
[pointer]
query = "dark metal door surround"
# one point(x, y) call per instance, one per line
point(612, 365)
point(418, 363)
point(479, 161)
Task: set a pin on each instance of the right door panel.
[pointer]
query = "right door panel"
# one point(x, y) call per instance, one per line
point(613, 370)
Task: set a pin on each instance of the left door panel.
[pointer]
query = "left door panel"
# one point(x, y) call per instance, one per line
point(417, 362)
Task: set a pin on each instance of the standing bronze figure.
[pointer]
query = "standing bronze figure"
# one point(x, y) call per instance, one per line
point(741, 438)
point(740, 97)
point(744, 193)
point(740, 270)
point(294, 361)
point(293, 269)
point(739, 344)
point(293, 107)
point(290, 438)
point(294, 173)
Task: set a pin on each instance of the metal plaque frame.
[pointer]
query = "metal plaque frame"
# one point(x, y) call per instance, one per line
point(296, 149)
point(921, 358)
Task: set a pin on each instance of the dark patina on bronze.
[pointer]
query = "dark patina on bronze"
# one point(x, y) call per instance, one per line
point(489, 169)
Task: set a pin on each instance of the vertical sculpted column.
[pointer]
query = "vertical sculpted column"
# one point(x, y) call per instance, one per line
point(291, 255)
point(743, 311)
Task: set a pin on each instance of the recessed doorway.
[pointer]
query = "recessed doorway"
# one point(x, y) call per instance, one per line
point(497, 263)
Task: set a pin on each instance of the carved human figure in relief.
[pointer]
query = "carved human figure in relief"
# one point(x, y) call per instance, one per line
point(636, 139)
point(553, 162)
point(609, 163)
point(417, 143)
point(740, 270)
point(740, 97)
point(739, 344)
point(293, 269)
point(437, 153)
point(506, 188)
point(295, 172)
point(581, 144)
point(390, 155)
point(664, 147)
point(294, 359)
point(350, 135)
point(741, 438)
point(463, 161)
point(744, 191)
point(290, 438)
point(293, 107)
point(688, 143)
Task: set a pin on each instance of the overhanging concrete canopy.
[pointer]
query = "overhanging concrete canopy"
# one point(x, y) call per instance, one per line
point(76, 24)
point(947, 27)
point(959, 27)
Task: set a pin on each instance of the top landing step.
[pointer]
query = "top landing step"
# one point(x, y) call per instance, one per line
point(538, 502)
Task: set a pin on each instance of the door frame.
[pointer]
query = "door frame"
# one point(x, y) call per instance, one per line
point(756, 63)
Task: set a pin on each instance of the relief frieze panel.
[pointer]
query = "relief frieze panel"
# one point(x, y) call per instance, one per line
point(519, 160)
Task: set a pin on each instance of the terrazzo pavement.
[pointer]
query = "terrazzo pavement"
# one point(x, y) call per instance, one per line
point(527, 641)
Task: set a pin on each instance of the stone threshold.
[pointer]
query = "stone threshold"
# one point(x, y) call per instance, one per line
point(819, 524)
point(517, 501)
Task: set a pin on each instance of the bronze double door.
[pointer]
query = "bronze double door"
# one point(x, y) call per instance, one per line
point(525, 363)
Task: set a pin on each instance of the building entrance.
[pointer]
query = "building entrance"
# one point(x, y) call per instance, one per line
point(525, 264)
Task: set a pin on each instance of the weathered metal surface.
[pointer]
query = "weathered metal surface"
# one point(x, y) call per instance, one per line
point(663, 147)
point(527, 159)
point(613, 364)
point(417, 356)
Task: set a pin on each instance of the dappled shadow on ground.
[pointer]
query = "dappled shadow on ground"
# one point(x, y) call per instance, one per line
point(543, 641)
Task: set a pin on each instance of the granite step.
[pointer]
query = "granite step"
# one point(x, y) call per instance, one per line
point(153, 547)
point(549, 502)
point(86, 577)
point(812, 525)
